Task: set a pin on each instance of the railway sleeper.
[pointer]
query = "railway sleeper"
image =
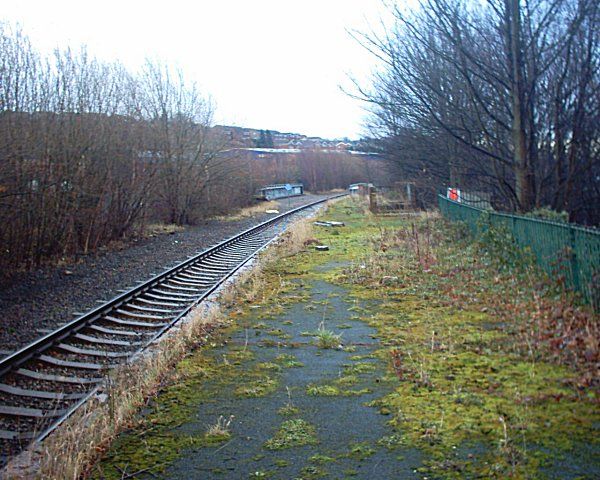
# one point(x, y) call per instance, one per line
point(247, 246)
point(211, 265)
point(92, 353)
point(200, 276)
point(214, 260)
point(104, 341)
point(50, 377)
point(30, 412)
point(207, 263)
point(153, 301)
point(144, 316)
point(112, 331)
point(44, 404)
point(26, 383)
point(17, 436)
point(43, 394)
point(71, 364)
point(143, 308)
point(206, 273)
point(164, 299)
point(178, 288)
point(232, 256)
point(133, 323)
point(187, 283)
point(174, 295)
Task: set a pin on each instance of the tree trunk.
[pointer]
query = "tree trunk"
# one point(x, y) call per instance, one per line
point(522, 164)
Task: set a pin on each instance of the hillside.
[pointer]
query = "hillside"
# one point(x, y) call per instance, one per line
point(243, 137)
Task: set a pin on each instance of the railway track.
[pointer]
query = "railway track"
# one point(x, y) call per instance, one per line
point(43, 383)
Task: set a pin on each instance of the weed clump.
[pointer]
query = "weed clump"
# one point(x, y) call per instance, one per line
point(219, 432)
point(322, 390)
point(288, 361)
point(325, 338)
point(288, 410)
point(358, 368)
point(293, 433)
point(360, 451)
point(321, 459)
point(259, 388)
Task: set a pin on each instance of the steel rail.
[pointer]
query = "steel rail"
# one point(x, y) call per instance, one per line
point(53, 339)
point(38, 346)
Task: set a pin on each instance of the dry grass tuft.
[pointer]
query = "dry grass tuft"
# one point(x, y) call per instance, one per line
point(327, 338)
point(155, 229)
point(293, 241)
point(221, 428)
point(251, 211)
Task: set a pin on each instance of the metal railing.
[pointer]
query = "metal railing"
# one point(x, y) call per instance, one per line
point(559, 248)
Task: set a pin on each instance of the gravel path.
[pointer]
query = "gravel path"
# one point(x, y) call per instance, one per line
point(46, 298)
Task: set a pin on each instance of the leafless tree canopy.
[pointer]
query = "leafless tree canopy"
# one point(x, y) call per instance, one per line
point(497, 95)
point(317, 170)
point(90, 151)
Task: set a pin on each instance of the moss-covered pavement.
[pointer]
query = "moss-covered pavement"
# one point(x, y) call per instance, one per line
point(372, 360)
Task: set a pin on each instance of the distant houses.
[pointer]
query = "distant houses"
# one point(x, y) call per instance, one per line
point(249, 137)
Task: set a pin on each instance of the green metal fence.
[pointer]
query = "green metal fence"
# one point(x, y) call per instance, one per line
point(559, 248)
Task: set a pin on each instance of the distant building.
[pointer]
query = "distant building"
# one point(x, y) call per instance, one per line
point(271, 192)
point(360, 188)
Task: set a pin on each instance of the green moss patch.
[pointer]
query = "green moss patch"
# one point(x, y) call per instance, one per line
point(288, 410)
point(322, 390)
point(320, 459)
point(288, 361)
point(257, 388)
point(361, 451)
point(293, 433)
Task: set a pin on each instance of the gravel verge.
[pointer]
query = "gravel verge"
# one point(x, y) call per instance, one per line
point(46, 298)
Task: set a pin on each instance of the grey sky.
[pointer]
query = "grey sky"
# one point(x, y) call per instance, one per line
point(274, 64)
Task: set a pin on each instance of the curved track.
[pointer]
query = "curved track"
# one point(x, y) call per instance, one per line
point(46, 381)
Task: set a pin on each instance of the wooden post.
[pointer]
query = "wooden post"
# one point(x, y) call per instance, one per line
point(372, 200)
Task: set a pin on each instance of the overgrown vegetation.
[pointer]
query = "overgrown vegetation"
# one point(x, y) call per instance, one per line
point(219, 431)
point(461, 372)
point(482, 357)
point(493, 365)
point(325, 338)
point(71, 450)
point(547, 213)
point(91, 152)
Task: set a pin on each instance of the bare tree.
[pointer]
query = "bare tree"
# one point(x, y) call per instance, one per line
point(473, 79)
point(87, 148)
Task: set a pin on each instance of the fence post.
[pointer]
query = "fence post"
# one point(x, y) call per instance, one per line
point(574, 261)
point(372, 200)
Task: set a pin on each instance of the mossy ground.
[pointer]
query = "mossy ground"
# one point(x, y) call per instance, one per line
point(432, 379)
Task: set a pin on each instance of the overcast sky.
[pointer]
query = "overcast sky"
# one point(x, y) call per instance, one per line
point(269, 64)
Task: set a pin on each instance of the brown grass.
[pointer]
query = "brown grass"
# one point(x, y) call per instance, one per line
point(251, 211)
point(154, 229)
point(293, 240)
